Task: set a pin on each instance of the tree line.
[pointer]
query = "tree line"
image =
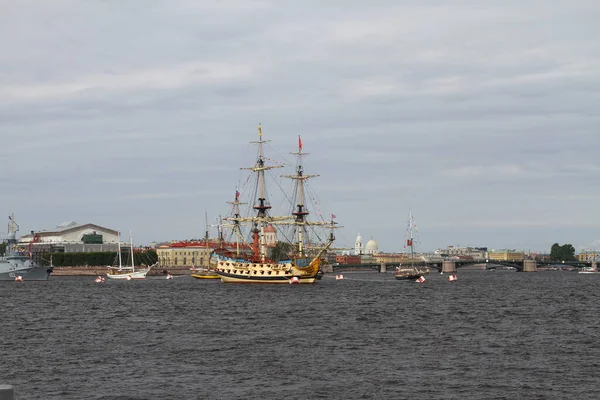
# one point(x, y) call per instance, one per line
point(566, 252)
point(97, 259)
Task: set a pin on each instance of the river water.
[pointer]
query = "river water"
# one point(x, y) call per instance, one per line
point(489, 335)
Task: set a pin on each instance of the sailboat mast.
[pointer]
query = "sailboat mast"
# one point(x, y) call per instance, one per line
point(411, 239)
point(119, 249)
point(131, 247)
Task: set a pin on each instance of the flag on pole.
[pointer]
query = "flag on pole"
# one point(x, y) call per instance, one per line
point(333, 216)
point(237, 194)
point(259, 130)
point(299, 143)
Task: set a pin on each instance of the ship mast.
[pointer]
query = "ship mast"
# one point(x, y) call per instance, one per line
point(411, 239)
point(131, 247)
point(206, 238)
point(262, 205)
point(119, 249)
point(236, 224)
point(11, 239)
point(300, 211)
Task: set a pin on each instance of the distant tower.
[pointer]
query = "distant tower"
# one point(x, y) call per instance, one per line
point(358, 245)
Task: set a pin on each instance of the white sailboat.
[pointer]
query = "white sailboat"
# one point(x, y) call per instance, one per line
point(593, 269)
point(123, 272)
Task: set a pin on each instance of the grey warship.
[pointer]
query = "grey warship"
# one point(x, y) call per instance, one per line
point(16, 263)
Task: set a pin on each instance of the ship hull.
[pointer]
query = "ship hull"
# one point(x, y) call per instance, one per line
point(27, 270)
point(137, 275)
point(207, 276)
point(239, 272)
point(234, 278)
point(198, 273)
point(405, 275)
point(34, 273)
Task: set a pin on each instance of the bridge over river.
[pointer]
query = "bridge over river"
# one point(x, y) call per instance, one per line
point(449, 266)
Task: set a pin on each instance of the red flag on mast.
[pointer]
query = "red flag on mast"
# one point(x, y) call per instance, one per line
point(299, 143)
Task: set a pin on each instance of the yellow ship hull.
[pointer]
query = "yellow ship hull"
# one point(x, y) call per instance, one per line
point(208, 276)
point(239, 272)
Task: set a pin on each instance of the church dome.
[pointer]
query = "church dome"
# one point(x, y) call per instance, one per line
point(270, 228)
point(371, 246)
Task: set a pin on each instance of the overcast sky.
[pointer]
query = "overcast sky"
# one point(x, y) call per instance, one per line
point(483, 117)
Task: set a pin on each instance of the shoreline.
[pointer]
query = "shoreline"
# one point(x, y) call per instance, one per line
point(95, 271)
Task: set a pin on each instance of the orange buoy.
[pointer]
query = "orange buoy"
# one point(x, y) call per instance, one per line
point(451, 278)
point(19, 278)
point(294, 279)
point(339, 277)
point(421, 279)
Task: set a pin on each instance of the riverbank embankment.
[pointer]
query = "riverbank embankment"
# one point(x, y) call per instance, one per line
point(95, 271)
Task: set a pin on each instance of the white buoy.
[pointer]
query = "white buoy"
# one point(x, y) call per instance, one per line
point(128, 277)
point(19, 278)
point(421, 279)
point(451, 278)
point(169, 276)
point(339, 277)
point(99, 279)
point(294, 279)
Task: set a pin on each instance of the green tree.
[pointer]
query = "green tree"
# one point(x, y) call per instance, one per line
point(565, 252)
point(281, 251)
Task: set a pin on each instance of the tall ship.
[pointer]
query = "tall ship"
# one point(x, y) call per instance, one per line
point(297, 258)
point(410, 271)
point(16, 264)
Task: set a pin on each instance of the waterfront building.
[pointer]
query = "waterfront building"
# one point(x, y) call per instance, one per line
point(475, 253)
point(370, 248)
point(71, 237)
point(506, 255)
point(192, 253)
point(347, 259)
point(391, 258)
point(588, 256)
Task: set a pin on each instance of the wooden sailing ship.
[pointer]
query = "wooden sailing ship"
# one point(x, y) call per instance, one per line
point(302, 263)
